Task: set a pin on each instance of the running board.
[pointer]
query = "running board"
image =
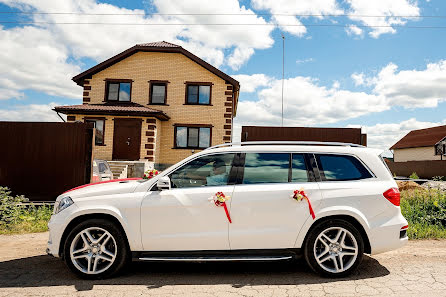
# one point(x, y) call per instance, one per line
point(216, 259)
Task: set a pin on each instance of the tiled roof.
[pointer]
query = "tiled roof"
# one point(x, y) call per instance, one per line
point(159, 44)
point(112, 109)
point(422, 137)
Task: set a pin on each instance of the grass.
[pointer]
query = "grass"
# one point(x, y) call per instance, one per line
point(17, 218)
point(425, 210)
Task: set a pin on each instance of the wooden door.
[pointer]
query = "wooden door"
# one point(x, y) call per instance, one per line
point(126, 139)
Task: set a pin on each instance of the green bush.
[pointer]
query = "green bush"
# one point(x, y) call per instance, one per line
point(15, 217)
point(425, 210)
point(414, 175)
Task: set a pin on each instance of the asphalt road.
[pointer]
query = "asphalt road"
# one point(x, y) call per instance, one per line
point(419, 269)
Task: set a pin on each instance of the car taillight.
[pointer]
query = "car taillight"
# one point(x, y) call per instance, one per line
point(393, 195)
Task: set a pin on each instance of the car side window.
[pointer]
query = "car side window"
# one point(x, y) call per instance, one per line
point(341, 168)
point(299, 171)
point(211, 170)
point(266, 168)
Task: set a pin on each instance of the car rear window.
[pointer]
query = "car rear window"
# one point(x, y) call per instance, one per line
point(341, 168)
point(266, 168)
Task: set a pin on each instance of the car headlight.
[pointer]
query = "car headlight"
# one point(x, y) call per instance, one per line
point(62, 204)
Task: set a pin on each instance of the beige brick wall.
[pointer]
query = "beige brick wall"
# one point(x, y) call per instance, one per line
point(177, 69)
point(415, 154)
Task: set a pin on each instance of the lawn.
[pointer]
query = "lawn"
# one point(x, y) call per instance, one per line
point(425, 209)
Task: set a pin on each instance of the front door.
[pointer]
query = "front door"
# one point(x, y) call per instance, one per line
point(185, 218)
point(126, 139)
point(264, 214)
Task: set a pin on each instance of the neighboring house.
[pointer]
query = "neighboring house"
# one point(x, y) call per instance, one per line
point(347, 135)
point(421, 145)
point(155, 102)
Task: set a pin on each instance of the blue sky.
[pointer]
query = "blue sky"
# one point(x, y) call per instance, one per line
point(386, 80)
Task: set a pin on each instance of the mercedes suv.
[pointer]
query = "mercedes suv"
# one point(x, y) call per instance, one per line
point(251, 201)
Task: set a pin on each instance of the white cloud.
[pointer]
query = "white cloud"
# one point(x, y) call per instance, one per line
point(306, 103)
point(33, 59)
point(383, 136)
point(361, 11)
point(30, 113)
point(250, 83)
point(301, 61)
point(409, 88)
point(354, 30)
point(239, 57)
point(358, 78)
point(315, 7)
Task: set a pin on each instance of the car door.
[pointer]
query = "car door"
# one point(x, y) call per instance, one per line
point(185, 217)
point(264, 214)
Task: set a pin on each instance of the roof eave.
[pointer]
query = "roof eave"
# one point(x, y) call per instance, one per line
point(159, 115)
point(78, 79)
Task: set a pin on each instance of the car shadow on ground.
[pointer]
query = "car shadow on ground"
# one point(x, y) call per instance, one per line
point(42, 271)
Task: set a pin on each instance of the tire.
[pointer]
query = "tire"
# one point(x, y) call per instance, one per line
point(331, 242)
point(96, 249)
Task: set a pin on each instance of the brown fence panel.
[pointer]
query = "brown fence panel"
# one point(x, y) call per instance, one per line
point(42, 160)
point(260, 133)
point(424, 169)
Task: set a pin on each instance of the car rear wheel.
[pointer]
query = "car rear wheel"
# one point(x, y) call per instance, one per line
point(334, 248)
point(96, 249)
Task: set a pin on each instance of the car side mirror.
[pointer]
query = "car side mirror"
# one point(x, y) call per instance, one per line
point(163, 183)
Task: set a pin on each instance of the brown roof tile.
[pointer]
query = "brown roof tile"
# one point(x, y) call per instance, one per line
point(112, 109)
point(159, 44)
point(421, 137)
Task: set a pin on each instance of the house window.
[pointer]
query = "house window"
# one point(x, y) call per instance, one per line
point(99, 124)
point(192, 137)
point(158, 92)
point(198, 93)
point(118, 91)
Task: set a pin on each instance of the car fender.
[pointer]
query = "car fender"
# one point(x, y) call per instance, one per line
point(132, 235)
point(331, 211)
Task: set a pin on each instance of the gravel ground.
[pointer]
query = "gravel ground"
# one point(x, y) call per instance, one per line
point(417, 269)
point(435, 185)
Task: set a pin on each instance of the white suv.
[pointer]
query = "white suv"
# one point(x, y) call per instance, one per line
point(329, 202)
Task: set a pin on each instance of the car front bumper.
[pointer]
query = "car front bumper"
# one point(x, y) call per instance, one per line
point(56, 226)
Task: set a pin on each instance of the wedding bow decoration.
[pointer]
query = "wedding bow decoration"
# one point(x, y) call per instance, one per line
point(300, 195)
point(220, 199)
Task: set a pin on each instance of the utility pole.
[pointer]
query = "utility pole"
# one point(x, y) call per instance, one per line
point(283, 68)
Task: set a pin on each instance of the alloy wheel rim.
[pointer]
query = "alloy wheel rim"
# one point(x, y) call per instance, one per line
point(335, 249)
point(93, 250)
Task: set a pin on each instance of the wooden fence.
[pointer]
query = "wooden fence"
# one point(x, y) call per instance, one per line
point(42, 160)
point(424, 169)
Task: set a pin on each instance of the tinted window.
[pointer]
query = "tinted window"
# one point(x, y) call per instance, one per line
point(298, 169)
point(339, 167)
point(266, 168)
point(205, 171)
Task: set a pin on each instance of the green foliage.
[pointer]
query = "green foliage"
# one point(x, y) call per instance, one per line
point(425, 210)
point(414, 175)
point(438, 178)
point(15, 217)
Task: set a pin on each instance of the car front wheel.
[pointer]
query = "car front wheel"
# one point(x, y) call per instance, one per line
point(95, 249)
point(334, 248)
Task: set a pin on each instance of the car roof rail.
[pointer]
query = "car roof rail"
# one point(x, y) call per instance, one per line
point(322, 143)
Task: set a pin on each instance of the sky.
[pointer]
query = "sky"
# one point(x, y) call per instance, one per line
point(379, 65)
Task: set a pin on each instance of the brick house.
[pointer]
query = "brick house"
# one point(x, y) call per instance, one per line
point(155, 102)
point(421, 145)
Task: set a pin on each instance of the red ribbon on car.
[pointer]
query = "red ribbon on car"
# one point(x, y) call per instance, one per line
point(220, 200)
point(300, 195)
